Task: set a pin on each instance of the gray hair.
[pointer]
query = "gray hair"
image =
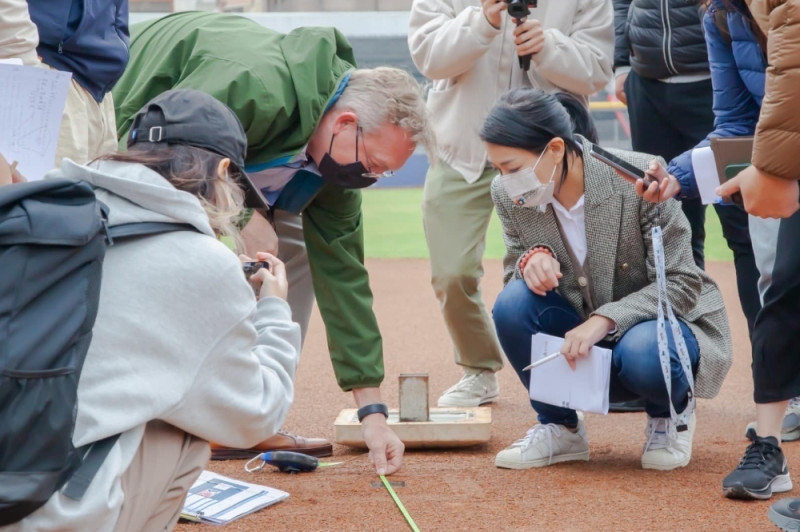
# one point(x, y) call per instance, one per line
point(386, 94)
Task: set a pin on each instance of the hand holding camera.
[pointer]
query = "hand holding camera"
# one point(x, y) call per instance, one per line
point(266, 274)
point(493, 11)
point(529, 35)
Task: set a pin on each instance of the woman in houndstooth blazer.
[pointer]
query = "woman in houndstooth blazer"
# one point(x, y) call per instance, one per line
point(579, 265)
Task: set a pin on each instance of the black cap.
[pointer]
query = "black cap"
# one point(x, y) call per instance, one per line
point(194, 118)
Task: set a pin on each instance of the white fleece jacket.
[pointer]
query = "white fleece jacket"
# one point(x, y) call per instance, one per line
point(179, 337)
point(472, 63)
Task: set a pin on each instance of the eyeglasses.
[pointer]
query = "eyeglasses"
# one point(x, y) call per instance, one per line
point(369, 174)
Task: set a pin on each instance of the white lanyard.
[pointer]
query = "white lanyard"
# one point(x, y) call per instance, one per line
point(682, 419)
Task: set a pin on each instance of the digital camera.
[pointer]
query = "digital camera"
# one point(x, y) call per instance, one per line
point(519, 9)
point(252, 267)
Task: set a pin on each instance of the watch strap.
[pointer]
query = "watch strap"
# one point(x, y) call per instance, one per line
point(375, 408)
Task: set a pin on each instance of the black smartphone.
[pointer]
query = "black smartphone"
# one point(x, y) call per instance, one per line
point(623, 166)
point(252, 267)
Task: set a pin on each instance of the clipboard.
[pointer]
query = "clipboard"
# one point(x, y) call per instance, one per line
point(731, 153)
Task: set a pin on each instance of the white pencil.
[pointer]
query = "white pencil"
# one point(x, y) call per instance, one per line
point(539, 362)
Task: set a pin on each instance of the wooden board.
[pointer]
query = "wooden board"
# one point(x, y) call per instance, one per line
point(448, 427)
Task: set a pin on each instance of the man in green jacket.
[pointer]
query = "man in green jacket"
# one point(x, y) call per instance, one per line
point(317, 130)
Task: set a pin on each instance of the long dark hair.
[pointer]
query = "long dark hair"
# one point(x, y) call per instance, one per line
point(530, 118)
point(740, 6)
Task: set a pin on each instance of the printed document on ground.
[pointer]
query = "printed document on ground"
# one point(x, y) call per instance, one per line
point(31, 105)
point(556, 383)
point(218, 499)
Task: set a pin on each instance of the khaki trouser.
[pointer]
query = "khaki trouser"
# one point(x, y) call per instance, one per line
point(155, 485)
point(455, 215)
point(88, 128)
point(292, 251)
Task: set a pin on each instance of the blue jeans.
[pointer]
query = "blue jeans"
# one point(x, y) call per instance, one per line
point(635, 368)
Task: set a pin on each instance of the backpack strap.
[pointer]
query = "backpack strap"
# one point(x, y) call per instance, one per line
point(144, 229)
point(94, 455)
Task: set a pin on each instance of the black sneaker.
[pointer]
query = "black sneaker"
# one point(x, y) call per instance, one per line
point(761, 472)
point(785, 514)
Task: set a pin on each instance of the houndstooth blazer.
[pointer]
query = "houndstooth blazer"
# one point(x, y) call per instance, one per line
point(620, 261)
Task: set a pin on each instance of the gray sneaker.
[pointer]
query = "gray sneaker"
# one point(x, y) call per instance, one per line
point(474, 389)
point(544, 445)
point(790, 431)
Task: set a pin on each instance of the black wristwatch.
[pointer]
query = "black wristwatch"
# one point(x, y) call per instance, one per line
point(375, 408)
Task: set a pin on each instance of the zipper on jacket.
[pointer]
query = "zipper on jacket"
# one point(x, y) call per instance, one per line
point(666, 49)
point(60, 46)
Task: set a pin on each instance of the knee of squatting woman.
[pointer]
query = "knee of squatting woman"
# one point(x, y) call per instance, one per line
point(579, 265)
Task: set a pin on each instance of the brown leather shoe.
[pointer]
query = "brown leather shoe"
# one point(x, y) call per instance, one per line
point(282, 441)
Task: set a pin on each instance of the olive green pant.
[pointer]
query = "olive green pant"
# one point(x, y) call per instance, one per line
point(455, 216)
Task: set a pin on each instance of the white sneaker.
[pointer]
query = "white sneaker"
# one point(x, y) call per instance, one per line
point(665, 452)
point(544, 445)
point(474, 389)
point(790, 430)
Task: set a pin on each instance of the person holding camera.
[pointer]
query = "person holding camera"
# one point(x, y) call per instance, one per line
point(181, 353)
point(581, 264)
point(474, 51)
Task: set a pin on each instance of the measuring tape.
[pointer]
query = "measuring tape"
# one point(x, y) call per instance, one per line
point(399, 504)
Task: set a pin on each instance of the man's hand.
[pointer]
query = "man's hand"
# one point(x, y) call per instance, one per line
point(663, 185)
point(764, 195)
point(582, 338)
point(619, 88)
point(529, 37)
point(258, 235)
point(542, 273)
point(385, 448)
point(493, 11)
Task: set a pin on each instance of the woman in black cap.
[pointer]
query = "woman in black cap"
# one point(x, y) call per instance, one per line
point(182, 353)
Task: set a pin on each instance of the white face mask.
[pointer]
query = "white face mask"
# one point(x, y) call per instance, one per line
point(526, 189)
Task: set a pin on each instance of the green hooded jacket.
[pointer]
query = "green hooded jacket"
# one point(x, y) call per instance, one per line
point(279, 85)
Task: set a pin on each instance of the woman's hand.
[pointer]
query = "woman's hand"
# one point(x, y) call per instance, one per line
point(529, 37)
point(542, 273)
point(269, 282)
point(580, 340)
point(663, 185)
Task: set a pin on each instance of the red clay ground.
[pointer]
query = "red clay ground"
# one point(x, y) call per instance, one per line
point(461, 490)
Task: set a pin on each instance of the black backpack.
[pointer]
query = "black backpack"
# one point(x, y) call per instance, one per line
point(53, 238)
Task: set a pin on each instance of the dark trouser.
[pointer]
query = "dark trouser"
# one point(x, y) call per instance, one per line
point(735, 229)
point(635, 366)
point(776, 336)
point(667, 119)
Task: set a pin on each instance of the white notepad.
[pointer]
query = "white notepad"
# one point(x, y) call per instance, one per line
point(705, 173)
point(556, 383)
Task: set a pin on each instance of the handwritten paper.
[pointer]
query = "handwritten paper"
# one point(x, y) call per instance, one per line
point(31, 105)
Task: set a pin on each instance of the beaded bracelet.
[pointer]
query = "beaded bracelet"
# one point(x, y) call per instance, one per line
point(530, 253)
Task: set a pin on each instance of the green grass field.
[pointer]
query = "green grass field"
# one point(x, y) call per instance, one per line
point(393, 228)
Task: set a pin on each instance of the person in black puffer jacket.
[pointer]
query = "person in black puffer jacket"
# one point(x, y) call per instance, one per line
point(662, 74)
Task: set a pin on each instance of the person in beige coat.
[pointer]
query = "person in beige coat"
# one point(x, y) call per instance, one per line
point(580, 264)
point(469, 49)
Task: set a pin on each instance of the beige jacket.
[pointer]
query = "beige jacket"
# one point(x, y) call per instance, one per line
point(18, 35)
point(472, 64)
point(777, 139)
point(620, 262)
